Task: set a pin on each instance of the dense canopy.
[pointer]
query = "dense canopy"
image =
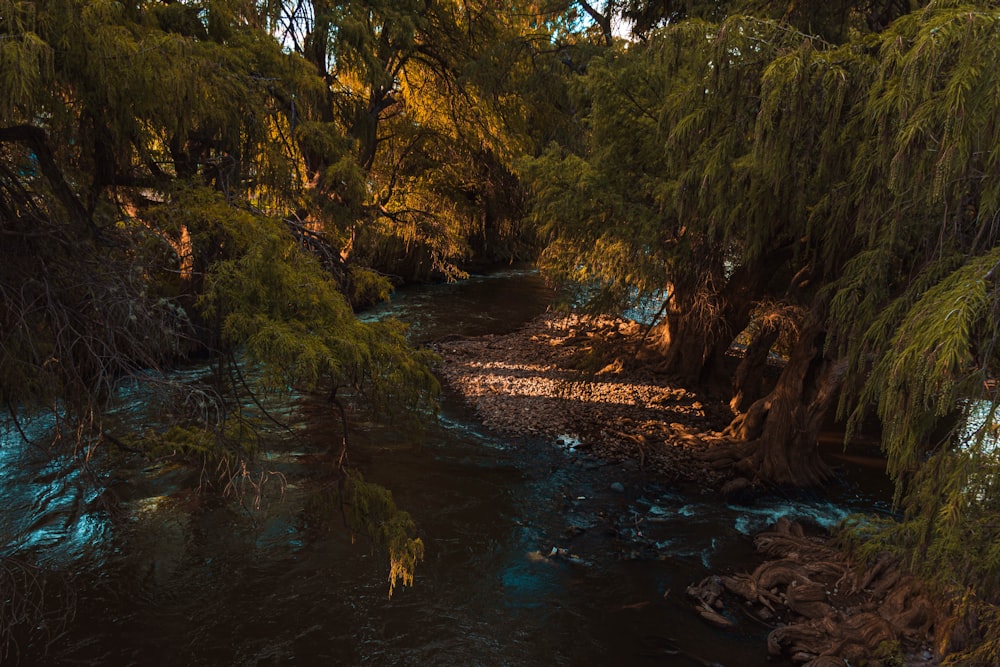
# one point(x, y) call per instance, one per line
point(829, 195)
point(229, 179)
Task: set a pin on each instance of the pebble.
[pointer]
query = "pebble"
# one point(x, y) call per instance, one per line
point(618, 487)
point(526, 384)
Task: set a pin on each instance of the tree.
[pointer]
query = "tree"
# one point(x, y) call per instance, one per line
point(423, 96)
point(723, 170)
point(849, 183)
point(673, 184)
point(148, 176)
point(923, 350)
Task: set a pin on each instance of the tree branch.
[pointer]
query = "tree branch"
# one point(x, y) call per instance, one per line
point(602, 20)
point(37, 140)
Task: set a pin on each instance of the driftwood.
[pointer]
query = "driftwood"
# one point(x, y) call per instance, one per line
point(825, 609)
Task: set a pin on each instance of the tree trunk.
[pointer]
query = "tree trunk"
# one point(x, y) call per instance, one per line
point(691, 347)
point(699, 327)
point(787, 449)
point(684, 340)
point(748, 382)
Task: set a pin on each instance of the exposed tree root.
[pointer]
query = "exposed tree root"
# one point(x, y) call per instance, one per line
point(826, 610)
point(750, 460)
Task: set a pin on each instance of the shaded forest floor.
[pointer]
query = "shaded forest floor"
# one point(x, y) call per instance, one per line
point(578, 380)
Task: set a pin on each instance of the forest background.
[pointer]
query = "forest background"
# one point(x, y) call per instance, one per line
point(231, 179)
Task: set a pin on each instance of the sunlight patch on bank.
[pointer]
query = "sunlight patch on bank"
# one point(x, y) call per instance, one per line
point(487, 383)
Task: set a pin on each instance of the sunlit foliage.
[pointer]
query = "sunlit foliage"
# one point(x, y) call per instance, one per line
point(409, 151)
point(839, 162)
point(230, 177)
point(154, 164)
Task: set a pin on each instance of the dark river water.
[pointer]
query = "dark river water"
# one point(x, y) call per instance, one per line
point(180, 578)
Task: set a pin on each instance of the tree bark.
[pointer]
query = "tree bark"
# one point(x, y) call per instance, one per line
point(684, 340)
point(786, 451)
point(748, 382)
point(699, 329)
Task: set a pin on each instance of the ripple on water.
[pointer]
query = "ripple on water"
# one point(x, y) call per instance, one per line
point(49, 510)
point(529, 581)
point(753, 519)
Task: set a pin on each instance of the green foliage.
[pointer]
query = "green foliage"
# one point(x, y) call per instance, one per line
point(934, 361)
point(408, 154)
point(923, 341)
point(237, 441)
point(371, 511)
point(772, 156)
point(853, 173)
point(272, 301)
point(149, 156)
point(25, 58)
point(976, 625)
point(702, 156)
point(368, 287)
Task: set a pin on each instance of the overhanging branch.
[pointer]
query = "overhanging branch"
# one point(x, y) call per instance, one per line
point(36, 139)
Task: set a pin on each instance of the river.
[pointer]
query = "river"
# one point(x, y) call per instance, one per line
point(174, 577)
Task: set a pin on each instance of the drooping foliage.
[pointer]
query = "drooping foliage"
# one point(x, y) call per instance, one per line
point(228, 177)
point(687, 167)
point(155, 194)
point(930, 339)
point(843, 173)
point(423, 97)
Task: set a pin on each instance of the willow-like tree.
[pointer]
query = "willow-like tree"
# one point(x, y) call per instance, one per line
point(924, 302)
point(147, 174)
point(720, 173)
point(675, 196)
point(423, 95)
point(851, 185)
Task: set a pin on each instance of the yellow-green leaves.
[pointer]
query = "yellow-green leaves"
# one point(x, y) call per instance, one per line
point(274, 302)
point(25, 61)
point(935, 358)
point(371, 511)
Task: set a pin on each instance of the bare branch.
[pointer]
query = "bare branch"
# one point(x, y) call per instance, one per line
point(37, 140)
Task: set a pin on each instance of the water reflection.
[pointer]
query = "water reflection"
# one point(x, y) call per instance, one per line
point(194, 579)
point(498, 302)
point(48, 504)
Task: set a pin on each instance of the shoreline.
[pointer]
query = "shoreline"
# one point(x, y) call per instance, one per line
point(575, 380)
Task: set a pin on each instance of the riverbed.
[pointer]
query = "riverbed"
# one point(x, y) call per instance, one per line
point(536, 553)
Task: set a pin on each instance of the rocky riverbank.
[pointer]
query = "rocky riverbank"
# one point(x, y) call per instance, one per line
point(579, 380)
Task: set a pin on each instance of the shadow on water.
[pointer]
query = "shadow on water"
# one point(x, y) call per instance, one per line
point(495, 303)
point(535, 553)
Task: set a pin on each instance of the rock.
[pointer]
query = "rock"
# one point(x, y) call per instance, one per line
point(565, 555)
point(618, 487)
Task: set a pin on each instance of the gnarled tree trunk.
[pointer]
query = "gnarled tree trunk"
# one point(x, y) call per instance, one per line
point(748, 381)
point(685, 341)
point(785, 424)
point(701, 322)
